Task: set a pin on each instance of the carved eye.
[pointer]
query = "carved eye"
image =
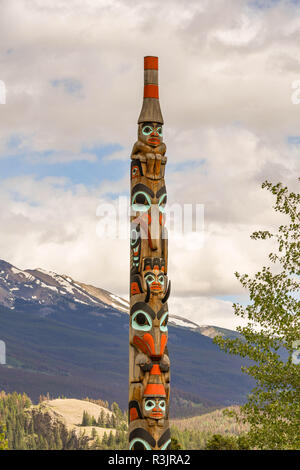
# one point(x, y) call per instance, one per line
point(150, 278)
point(159, 131)
point(164, 322)
point(135, 171)
point(141, 202)
point(149, 405)
point(135, 235)
point(162, 203)
point(147, 130)
point(141, 321)
point(162, 405)
point(161, 279)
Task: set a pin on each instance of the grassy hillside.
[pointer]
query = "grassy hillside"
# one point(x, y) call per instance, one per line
point(193, 433)
point(57, 425)
point(70, 411)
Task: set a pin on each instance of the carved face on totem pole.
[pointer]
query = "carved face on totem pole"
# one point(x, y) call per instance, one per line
point(149, 330)
point(148, 209)
point(149, 336)
point(143, 198)
point(150, 133)
point(154, 407)
point(154, 275)
point(148, 220)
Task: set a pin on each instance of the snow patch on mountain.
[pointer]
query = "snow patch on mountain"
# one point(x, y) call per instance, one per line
point(50, 291)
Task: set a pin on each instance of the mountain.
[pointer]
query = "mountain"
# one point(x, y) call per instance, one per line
point(46, 289)
point(69, 338)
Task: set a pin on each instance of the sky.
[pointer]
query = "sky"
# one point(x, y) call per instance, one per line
point(73, 72)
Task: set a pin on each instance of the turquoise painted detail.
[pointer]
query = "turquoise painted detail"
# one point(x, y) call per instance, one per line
point(138, 207)
point(137, 326)
point(162, 327)
point(149, 405)
point(147, 130)
point(166, 445)
point(137, 439)
point(162, 405)
point(160, 203)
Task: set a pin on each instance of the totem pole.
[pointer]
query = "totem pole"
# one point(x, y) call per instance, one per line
point(149, 364)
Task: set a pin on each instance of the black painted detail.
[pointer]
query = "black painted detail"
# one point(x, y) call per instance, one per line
point(167, 294)
point(161, 191)
point(143, 434)
point(146, 367)
point(142, 187)
point(164, 438)
point(136, 278)
point(163, 310)
point(142, 306)
point(135, 404)
point(147, 298)
point(138, 164)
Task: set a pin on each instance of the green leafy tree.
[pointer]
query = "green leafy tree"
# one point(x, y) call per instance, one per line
point(175, 444)
point(272, 333)
point(3, 440)
point(219, 442)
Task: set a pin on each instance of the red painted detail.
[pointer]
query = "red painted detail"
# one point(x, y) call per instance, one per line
point(148, 339)
point(153, 140)
point(156, 414)
point(155, 286)
point(155, 389)
point(151, 63)
point(151, 91)
point(137, 173)
point(135, 288)
point(145, 228)
point(155, 370)
point(163, 342)
point(139, 343)
point(133, 414)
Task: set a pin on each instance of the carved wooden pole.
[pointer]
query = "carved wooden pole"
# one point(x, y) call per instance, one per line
point(149, 363)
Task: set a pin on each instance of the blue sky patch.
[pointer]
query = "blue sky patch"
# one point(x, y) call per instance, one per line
point(266, 4)
point(187, 165)
point(69, 85)
point(24, 162)
point(294, 140)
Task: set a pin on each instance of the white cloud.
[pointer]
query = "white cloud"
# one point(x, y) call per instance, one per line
point(205, 311)
point(225, 87)
point(206, 79)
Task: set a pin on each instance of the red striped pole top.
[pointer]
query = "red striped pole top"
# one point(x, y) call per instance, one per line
point(151, 109)
point(151, 77)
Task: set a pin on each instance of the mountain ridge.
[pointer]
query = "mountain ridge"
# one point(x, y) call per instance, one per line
point(39, 279)
point(71, 339)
